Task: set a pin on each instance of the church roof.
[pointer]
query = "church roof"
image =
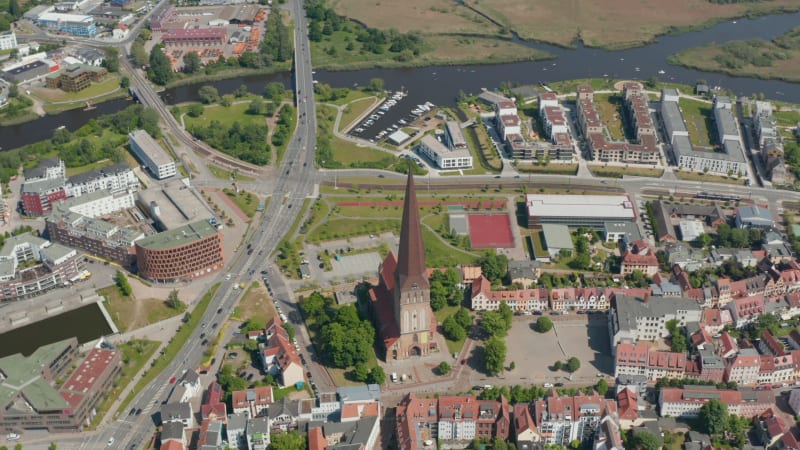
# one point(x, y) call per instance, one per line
point(411, 258)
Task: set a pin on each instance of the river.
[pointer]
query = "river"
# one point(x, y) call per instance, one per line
point(441, 84)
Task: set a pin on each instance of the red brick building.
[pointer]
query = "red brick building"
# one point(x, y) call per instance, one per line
point(184, 253)
point(38, 196)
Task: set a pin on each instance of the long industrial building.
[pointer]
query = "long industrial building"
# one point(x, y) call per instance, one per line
point(579, 210)
point(154, 157)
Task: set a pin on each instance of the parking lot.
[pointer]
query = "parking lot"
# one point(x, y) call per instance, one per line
point(582, 336)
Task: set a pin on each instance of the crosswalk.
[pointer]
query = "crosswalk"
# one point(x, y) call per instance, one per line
point(155, 402)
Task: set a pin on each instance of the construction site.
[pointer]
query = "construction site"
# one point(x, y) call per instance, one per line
point(211, 31)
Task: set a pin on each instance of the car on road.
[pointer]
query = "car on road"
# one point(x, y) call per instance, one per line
point(203, 325)
point(172, 380)
point(13, 437)
point(548, 385)
point(559, 384)
point(110, 441)
point(214, 326)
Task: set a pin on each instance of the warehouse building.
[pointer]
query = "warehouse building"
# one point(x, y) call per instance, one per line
point(150, 152)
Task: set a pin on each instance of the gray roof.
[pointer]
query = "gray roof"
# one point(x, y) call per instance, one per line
point(754, 214)
point(283, 407)
point(41, 168)
point(258, 425)
point(89, 53)
point(629, 228)
point(672, 117)
point(172, 430)
point(55, 251)
point(237, 421)
point(99, 173)
point(369, 392)
point(41, 186)
point(557, 236)
point(631, 309)
point(492, 97)
point(522, 269)
point(711, 360)
point(353, 434)
point(175, 411)
point(7, 250)
point(191, 377)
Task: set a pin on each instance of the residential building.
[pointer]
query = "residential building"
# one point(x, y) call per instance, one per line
point(236, 431)
point(561, 420)
point(454, 136)
point(444, 157)
point(640, 256)
point(186, 252)
point(743, 368)
point(283, 415)
point(32, 398)
point(417, 421)
point(640, 359)
point(626, 232)
point(579, 210)
point(685, 155)
point(152, 155)
point(526, 434)
point(30, 265)
point(354, 402)
point(8, 40)
point(401, 301)
point(195, 37)
point(745, 310)
point(252, 402)
point(687, 402)
point(523, 273)
point(114, 178)
point(178, 412)
point(172, 435)
point(633, 319)
point(38, 196)
point(258, 433)
point(279, 355)
point(483, 298)
point(213, 407)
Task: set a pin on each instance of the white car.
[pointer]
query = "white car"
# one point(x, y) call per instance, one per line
point(13, 437)
point(110, 441)
point(548, 385)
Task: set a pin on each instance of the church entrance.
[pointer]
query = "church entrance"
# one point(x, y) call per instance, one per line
point(415, 351)
point(394, 354)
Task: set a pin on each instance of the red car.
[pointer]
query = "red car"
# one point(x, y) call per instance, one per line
point(172, 380)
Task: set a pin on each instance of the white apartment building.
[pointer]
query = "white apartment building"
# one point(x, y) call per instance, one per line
point(8, 40)
point(98, 203)
point(633, 319)
point(154, 157)
point(115, 178)
point(458, 158)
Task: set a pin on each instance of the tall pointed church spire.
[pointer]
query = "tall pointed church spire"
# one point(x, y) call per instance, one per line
point(411, 258)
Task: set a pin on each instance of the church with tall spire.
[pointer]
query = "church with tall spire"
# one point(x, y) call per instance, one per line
point(402, 300)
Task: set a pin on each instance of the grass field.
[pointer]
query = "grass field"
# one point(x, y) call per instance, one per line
point(82, 169)
point(353, 110)
point(787, 118)
point(726, 58)
point(224, 174)
point(559, 169)
point(246, 201)
point(619, 172)
point(107, 86)
point(255, 305)
point(696, 176)
point(609, 106)
point(700, 122)
point(130, 313)
point(225, 115)
point(172, 349)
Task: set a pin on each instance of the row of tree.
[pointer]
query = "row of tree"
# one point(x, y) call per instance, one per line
point(285, 123)
point(495, 324)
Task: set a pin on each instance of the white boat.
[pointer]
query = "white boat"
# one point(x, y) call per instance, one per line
point(661, 72)
point(416, 112)
point(637, 69)
point(359, 130)
point(429, 104)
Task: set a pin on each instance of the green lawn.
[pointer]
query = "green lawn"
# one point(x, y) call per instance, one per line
point(225, 115)
point(609, 106)
point(82, 169)
point(560, 169)
point(227, 174)
point(619, 172)
point(342, 228)
point(787, 118)
point(171, 351)
point(700, 121)
point(353, 110)
point(350, 153)
point(108, 85)
point(438, 254)
point(696, 176)
point(135, 354)
point(246, 201)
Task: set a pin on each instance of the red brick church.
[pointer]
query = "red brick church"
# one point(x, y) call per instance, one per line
point(402, 300)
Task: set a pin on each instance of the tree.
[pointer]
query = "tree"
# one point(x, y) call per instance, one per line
point(495, 355)
point(289, 330)
point(288, 441)
point(160, 68)
point(123, 284)
point(377, 375)
point(494, 267)
point(573, 364)
point(361, 372)
point(14, 9)
point(499, 444)
point(544, 324)
point(275, 91)
point(208, 94)
point(463, 318)
point(13, 90)
point(601, 387)
point(241, 91)
point(52, 446)
point(507, 314)
point(576, 443)
point(558, 365)
point(111, 59)
point(704, 240)
point(124, 82)
point(139, 53)
point(191, 62)
point(196, 110)
point(713, 416)
point(452, 330)
point(646, 441)
point(494, 324)
point(173, 301)
point(256, 106)
point(443, 368)
point(376, 85)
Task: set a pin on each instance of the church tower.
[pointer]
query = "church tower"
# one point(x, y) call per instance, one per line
point(412, 293)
